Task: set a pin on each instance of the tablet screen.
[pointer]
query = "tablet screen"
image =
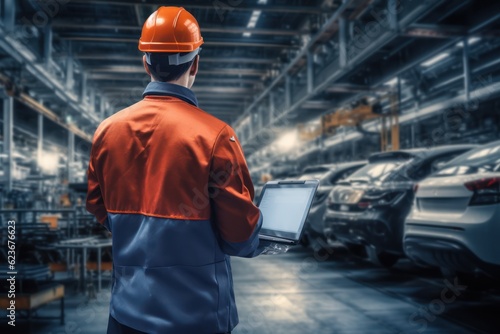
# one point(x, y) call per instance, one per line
point(284, 209)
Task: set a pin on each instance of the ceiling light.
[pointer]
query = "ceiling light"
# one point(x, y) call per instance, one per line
point(436, 59)
point(472, 40)
point(253, 19)
point(251, 23)
point(261, 2)
point(247, 34)
point(392, 82)
point(49, 162)
point(287, 141)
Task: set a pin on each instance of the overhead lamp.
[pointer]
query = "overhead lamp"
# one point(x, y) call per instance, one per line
point(49, 162)
point(261, 2)
point(254, 18)
point(435, 59)
point(392, 82)
point(288, 141)
point(472, 40)
point(252, 22)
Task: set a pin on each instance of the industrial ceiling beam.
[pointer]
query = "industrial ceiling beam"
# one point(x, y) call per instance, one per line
point(435, 31)
point(221, 111)
point(222, 9)
point(445, 31)
point(222, 90)
point(234, 71)
point(221, 102)
point(360, 9)
point(250, 44)
point(61, 25)
point(318, 105)
point(109, 57)
point(237, 60)
point(99, 39)
point(208, 96)
point(234, 81)
point(110, 76)
point(302, 53)
point(348, 88)
point(355, 58)
point(240, 96)
point(36, 68)
point(221, 108)
point(8, 14)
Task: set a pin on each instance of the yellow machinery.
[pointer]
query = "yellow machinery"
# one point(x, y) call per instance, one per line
point(355, 117)
point(348, 117)
point(309, 133)
point(393, 120)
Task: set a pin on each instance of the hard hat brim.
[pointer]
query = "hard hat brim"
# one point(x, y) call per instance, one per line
point(170, 48)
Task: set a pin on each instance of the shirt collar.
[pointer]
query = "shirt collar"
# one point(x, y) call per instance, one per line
point(168, 89)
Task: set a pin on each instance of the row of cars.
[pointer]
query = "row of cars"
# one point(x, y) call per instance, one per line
point(439, 206)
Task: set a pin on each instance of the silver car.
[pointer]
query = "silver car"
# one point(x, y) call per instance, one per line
point(455, 220)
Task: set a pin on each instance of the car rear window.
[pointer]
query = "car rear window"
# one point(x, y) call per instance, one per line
point(482, 159)
point(375, 171)
point(310, 176)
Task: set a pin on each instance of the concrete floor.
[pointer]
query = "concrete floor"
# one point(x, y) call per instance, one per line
point(302, 292)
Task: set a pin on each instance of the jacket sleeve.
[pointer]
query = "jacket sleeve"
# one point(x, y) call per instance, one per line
point(95, 203)
point(231, 191)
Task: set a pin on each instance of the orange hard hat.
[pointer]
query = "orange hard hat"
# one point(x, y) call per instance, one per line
point(172, 30)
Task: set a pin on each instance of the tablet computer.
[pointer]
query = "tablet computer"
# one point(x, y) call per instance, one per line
point(285, 206)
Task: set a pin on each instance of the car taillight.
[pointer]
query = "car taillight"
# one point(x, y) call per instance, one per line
point(364, 205)
point(486, 191)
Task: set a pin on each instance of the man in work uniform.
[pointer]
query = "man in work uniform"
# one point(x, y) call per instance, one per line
point(171, 183)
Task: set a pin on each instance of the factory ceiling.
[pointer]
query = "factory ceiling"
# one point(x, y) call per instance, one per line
point(263, 61)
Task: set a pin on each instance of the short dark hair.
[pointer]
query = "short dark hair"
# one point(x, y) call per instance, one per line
point(162, 71)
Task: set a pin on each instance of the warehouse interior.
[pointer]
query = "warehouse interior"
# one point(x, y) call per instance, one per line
point(394, 105)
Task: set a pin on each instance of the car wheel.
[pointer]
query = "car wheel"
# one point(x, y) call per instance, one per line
point(381, 258)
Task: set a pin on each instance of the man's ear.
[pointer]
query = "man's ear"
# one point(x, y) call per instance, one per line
point(146, 67)
point(194, 68)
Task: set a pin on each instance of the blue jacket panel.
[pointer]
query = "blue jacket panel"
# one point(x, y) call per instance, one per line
point(172, 276)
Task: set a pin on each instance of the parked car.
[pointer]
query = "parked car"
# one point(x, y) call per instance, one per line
point(366, 212)
point(455, 222)
point(328, 176)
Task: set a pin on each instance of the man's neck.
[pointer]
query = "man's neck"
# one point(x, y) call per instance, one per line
point(182, 81)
